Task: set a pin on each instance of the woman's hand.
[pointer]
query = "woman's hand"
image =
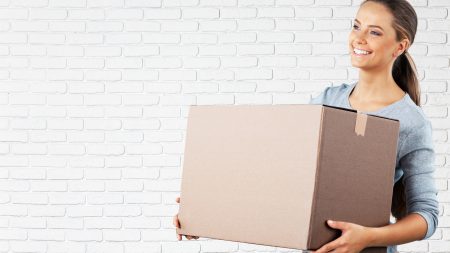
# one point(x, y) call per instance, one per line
point(176, 223)
point(354, 238)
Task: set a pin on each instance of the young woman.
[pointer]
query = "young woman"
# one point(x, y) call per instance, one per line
point(382, 33)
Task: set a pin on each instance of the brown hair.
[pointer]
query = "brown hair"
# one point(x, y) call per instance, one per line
point(405, 75)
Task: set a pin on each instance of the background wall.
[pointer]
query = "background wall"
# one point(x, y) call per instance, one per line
point(94, 96)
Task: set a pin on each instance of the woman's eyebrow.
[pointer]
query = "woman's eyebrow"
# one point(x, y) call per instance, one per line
point(356, 20)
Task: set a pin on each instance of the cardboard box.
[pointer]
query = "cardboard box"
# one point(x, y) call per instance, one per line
point(273, 174)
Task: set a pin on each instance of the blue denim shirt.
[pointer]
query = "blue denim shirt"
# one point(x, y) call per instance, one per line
point(415, 151)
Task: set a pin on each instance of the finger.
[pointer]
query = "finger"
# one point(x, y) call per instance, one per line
point(179, 237)
point(177, 222)
point(177, 199)
point(329, 247)
point(338, 224)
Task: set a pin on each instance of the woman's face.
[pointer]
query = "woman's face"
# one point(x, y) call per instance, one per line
point(372, 41)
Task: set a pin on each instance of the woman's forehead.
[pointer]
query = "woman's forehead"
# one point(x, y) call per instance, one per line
point(376, 14)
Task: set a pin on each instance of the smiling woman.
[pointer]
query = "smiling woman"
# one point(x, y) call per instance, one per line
point(388, 86)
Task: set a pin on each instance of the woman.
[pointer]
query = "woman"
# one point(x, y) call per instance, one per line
point(388, 86)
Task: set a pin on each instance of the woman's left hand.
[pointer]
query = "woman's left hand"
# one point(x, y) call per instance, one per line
point(354, 238)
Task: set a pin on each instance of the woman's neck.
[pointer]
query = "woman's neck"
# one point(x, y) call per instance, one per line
point(376, 86)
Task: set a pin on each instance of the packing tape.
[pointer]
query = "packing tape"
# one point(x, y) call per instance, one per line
point(361, 121)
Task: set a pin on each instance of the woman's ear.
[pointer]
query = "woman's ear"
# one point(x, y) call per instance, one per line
point(402, 46)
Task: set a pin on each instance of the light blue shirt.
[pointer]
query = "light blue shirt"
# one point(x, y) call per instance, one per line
point(415, 151)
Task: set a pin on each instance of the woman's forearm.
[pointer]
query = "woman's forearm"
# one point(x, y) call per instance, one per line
point(412, 227)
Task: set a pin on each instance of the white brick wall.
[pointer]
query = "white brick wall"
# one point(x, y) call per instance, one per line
point(94, 96)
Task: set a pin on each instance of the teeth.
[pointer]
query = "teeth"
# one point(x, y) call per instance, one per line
point(358, 51)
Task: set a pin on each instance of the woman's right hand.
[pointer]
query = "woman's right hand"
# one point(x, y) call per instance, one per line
point(176, 223)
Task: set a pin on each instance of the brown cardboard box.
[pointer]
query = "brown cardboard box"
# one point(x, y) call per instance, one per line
point(273, 174)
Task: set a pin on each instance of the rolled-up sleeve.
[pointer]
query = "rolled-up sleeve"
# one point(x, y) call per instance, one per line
point(417, 162)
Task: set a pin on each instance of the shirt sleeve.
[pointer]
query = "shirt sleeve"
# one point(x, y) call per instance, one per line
point(417, 162)
point(322, 97)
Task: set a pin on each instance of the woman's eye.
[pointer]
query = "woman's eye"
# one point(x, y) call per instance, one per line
point(376, 33)
point(355, 27)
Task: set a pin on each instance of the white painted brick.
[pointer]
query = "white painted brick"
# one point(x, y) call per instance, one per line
point(31, 50)
point(65, 50)
point(278, 12)
point(200, 13)
point(66, 26)
point(46, 235)
point(124, 137)
point(46, 38)
point(213, 50)
point(27, 222)
point(123, 161)
point(333, 2)
point(278, 61)
point(28, 74)
point(102, 174)
point(313, 36)
point(162, 13)
point(121, 14)
point(141, 222)
point(143, 198)
point(34, 173)
point(332, 24)
point(62, 124)
point(315, 12)
point(28, 124)
point(86, 14)
point(137, 51)
point(103, 50)
point(198, 38)
point(85, 63)
point(439, 246)
point(178, 3)
point(237, 13)
point(219, 246)
point(105, 247)
point(29, 198)
point(431, 37)
point(14, 13)
point(146, 173)
point(85, 112)
point(122, 211)
point(201, 62)
point(417, 246)
point(86, 162)
point(260, 24)
point(124, 186)
point(13, 234)
point(218, 26)
point(427, 12)
point(48, 186)
point(13, 161)
point(28, 26)
point(178, 50)
point(84, 235)
point(48, 14)
point(134, 75)
point(91, 99)
point(123, 38)
point(87, 137)
point(142, 3)
point(176, 26)
point(66, 149)
point(150, 161)
point(238, 37)
point(101, 199)
point(275, 37)
point(87, 186)
point(13, 186)
point(61, 100)
point(187, 247)
point(282, 74)
point(103, 75)
point(28, 149)
point(45, 136)
point(163, 62)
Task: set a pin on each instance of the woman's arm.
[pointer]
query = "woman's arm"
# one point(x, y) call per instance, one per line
point(412, 227)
